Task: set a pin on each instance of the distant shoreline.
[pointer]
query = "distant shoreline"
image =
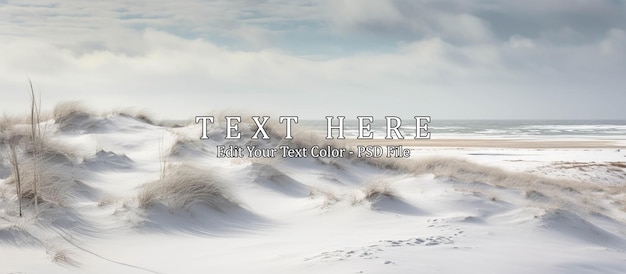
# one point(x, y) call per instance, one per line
point(498, 143)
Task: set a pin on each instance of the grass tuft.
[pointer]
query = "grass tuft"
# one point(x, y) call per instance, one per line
point(376, 190)
point(183, 186)
point(60, 255)
point(66, 109)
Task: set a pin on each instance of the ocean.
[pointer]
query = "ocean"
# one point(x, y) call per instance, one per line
point(610, 129)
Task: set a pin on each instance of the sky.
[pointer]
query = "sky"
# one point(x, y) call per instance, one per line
point(450, 59)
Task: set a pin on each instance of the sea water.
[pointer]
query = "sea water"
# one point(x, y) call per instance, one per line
point(610, 129)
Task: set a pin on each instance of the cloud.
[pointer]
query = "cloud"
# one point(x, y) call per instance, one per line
point(460, 21)
point(517, 41)
point(408, 20)
point(449, 59)
point(560, 22)
point(84, 26)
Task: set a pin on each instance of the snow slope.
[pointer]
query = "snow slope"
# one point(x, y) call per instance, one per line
point(142, 198)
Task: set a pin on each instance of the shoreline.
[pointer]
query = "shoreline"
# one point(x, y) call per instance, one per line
point(498, 143)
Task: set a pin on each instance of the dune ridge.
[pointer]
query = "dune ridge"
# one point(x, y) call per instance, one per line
point(107, 180)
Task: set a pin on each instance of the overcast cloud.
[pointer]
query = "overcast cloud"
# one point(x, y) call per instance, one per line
point(562, 59)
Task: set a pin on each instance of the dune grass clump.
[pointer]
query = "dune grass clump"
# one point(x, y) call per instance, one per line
point(15, 169)
point(42, 169)
point(185, 145)
point(467, 171)
point(330, 198)
point(53, 152)
point(8, 122)
point(376, 190)
point(139, 115)
point(66, 109)
point(183, 186)
point(72, 117)
point(60, 255)
point(56, 184)
point(553, 192)
point(373, 192)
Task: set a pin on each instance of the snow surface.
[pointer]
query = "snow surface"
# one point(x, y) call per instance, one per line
point(314, 215)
